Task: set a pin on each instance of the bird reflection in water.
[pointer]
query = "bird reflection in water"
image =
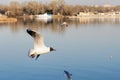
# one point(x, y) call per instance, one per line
point(68, 75)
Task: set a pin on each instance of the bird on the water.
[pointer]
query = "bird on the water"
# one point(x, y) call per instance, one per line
point(68, 75)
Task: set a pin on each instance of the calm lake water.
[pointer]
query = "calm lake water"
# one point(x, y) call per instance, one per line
point(87, 48)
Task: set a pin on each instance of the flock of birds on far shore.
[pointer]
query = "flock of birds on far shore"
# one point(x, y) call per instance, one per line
point(40, 47)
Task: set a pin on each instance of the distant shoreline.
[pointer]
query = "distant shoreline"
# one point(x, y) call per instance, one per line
point(12, 19)
point(92, 16)
point(7, 20)
point(55, 7)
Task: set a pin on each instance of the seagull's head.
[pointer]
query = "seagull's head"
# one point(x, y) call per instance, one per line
point(52, 49)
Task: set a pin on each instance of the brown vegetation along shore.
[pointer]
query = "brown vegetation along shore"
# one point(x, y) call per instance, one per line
point(55, 7)
point(7, 20)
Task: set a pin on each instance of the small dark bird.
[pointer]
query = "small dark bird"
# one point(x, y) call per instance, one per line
point(64, 24)
point(68, 75)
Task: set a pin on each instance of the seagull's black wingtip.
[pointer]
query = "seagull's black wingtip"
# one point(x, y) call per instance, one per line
point(28, 30)
point(31, 32)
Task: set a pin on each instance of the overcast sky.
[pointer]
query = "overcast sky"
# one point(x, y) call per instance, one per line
point(73, 2)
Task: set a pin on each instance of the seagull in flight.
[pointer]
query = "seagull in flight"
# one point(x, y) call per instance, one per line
point(68, 75)
point(39, 45)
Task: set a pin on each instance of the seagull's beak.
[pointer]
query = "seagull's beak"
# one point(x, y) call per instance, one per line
point(52, 49)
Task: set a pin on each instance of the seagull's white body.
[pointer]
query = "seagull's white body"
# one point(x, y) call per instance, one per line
point(39, 51)
point(39, 46)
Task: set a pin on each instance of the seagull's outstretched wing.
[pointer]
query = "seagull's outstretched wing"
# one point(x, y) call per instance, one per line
point(38, 39)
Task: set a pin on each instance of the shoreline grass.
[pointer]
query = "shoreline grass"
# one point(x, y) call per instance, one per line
point(6, 19)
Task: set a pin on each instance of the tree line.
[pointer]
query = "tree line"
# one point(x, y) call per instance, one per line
point(54, 7)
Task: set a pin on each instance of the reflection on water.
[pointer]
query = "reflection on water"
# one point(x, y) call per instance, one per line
point(101, 20)
point(89, 50)
point(55, 24)
point(68, 75)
